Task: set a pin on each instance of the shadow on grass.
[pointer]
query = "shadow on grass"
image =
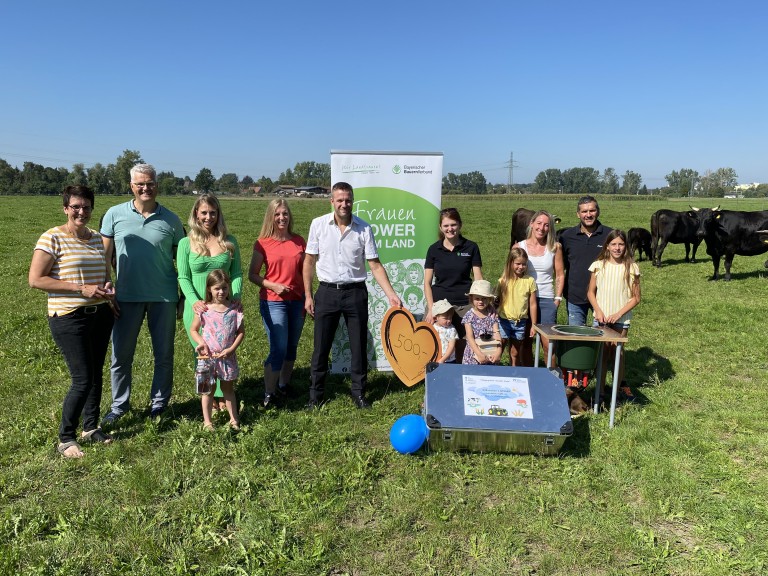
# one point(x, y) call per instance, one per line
point(677, 261)
point(737, 275)
point(642, 364)
point(578, 444)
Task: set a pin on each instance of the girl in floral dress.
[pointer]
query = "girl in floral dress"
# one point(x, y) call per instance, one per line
point(222, 332)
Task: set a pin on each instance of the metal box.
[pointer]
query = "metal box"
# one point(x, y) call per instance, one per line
point(485, 408)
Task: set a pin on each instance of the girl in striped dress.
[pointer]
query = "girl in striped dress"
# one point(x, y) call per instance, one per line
point(614, 290)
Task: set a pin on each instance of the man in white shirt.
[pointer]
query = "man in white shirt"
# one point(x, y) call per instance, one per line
point(339, 245)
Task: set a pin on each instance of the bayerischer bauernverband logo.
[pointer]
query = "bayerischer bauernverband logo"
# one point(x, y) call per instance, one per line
point(396, 169)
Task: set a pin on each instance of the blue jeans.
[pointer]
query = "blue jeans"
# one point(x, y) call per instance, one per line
point(547, 310)
point(83, 338)
point(161, 321)
point(577, 314)
point(511, 329)
point(283, 322)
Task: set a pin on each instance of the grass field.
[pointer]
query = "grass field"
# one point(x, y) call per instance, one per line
point(677, 487)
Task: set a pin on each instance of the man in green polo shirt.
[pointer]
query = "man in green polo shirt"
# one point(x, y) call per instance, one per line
point(144, 236)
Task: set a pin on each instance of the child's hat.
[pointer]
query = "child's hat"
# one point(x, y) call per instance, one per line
point(480, 288)
point(441, 307)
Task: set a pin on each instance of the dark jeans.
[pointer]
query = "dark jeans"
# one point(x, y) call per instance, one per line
point(330, 305)
point(83, 338)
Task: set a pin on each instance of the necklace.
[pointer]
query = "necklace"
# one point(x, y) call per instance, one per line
point(85, 236)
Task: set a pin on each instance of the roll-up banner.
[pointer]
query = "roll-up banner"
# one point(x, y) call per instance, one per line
point(398, 194)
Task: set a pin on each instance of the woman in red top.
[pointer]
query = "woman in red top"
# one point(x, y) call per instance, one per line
point(281, 253)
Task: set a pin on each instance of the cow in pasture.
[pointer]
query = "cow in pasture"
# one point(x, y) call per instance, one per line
point(730, 232)
point(639, 241)
point(520, 220)
point(668, 226)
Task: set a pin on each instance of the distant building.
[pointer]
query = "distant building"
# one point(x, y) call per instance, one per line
point(302, 191)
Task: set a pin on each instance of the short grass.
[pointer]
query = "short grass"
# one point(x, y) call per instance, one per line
point(677, 487)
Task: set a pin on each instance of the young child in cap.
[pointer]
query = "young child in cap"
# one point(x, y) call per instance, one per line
point(482, 326)
point(442, 312)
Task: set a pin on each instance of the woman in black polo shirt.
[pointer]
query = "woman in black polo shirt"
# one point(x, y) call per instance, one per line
point(452, 263)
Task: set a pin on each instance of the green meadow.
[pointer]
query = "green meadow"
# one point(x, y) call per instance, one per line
point(678, 487)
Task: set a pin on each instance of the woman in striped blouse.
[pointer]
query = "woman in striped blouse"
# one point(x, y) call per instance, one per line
point(68, 263)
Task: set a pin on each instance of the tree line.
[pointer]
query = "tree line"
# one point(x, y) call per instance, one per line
point(38, 180)
point(35, 179)
point(685, 182)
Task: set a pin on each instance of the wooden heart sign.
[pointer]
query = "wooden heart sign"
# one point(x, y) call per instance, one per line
point(409, 346)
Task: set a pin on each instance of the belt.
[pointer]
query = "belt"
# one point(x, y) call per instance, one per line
point(90, 309)
point(347, 286)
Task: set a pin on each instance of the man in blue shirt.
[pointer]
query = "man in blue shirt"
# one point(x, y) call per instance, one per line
point(144, 236)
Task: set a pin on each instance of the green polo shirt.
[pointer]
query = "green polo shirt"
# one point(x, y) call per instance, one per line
point(144, 248)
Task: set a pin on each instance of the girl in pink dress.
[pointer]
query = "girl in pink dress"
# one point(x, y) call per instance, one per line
point(222, 332)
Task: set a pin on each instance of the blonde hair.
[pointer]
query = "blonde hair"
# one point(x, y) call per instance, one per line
point(198, 236)
point(268, 227)
point(508, 277)
point(550, 233)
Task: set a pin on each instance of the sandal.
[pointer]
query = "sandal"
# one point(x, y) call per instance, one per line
point(234, 425)
point(97, 435)
point(208, 427)
point(64, 446)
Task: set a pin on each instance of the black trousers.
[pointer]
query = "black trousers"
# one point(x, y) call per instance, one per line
point(83, 338)
point(330, 305)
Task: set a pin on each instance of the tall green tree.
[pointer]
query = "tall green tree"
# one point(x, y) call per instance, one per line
point(121, 173)
point(718, 183)
point(228, 183)
point(98, 179)
point(682, 183)
point(581, 181)
point(169, 185)
point(9, 178)
point(42, 180)
point(246, 182)
point(549, 181)
point(631, 183)
point(204, 181)
point(609, 182)
point(312, 174)
point(78, 176)
point(286, 178)
point(267, 185)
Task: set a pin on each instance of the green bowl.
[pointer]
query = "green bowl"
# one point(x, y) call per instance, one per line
point(575, 355)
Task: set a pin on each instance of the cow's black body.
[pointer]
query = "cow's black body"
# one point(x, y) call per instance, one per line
point(730, 232)
point(668, 226)
point(639, 241)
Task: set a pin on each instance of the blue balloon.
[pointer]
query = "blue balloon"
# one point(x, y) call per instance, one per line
point(408, 434)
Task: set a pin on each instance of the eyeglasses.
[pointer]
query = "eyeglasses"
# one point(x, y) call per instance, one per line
point(80, 207)
point(147, 185)
point(486, 337)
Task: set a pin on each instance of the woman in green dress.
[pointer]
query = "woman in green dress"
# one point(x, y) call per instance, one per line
point(207, 247)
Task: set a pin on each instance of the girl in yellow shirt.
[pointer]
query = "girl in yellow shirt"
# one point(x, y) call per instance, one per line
point(614, 290)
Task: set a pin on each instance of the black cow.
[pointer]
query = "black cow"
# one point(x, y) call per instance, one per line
point(730, 232)
point(639, 241)
point(668, 226)
point(520, 220)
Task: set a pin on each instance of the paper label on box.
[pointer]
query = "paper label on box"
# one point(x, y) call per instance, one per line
point(497, 397)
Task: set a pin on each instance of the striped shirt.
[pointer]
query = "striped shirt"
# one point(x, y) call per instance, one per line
point(612, 290)
point(74, 260)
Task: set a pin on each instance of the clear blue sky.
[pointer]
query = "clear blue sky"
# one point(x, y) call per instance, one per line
point(254, 87)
